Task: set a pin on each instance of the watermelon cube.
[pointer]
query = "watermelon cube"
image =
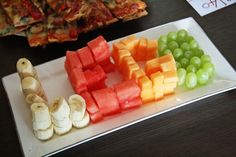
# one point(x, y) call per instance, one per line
point(86, 58)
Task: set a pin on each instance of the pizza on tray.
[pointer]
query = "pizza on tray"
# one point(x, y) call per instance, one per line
point(127, 10)
point(50, 21)
point(37, 34)
point(97, 16)
point(59, 30)
point(70, 10)
point(6, 26)
point(22, 12)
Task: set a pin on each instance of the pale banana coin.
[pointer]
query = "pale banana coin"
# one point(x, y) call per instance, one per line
point(25, 68)
point(61, 123)
point(63, 130)
point(40, 116)
point(30, 85)
point(34, 98)
point(77, 107)
point(44, 134)
point(83, 123)
point(59, 109)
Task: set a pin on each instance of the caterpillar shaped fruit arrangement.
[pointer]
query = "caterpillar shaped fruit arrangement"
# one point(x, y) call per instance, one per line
point(151, 69)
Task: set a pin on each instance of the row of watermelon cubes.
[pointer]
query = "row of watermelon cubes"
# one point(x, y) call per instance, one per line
point(87, 68)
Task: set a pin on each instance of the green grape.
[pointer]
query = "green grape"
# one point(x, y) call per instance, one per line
point(198, 52)
point(210, 68)
point(196, 61)
point(172, 36)
point(166, 51)
point(193, 44)
point(190, 38)
point(181, 75)
point(173, 45)
point(178, 53)
point(182, 35)
point(184, 62)
point(185, 46)
point(205, 59)
point(163, 39)
point(191, 80)
point(202, 76)
point(178, 65)
point(162, 47)
point(191, 68)
point(188, 54)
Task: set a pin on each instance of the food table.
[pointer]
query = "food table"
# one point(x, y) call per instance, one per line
point(203, 128)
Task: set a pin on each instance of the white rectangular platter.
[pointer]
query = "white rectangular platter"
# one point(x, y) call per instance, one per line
point(55, 83)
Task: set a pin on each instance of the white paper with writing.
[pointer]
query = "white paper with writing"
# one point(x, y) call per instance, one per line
point(204, 7)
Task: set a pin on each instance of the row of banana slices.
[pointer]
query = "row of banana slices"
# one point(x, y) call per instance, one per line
point(60, 116)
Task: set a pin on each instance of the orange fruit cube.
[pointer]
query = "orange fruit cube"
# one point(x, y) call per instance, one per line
point(152, 66)
point(166, 58)
point(140, 54)
point(169, 88)
point(138, 74)
point(147, 96)
point(131, 43)
point(127, 60)
point(130, 70)
point(157, 78)
point(116, 48)
point(170, 76)
point(151, 49)
point(121, 55)
point(145, 83)
point(168, 66)
point(158, 91)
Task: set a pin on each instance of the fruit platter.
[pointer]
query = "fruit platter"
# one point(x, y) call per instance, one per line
point(116, 88)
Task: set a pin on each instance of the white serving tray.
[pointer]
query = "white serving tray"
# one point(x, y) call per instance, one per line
point(55, 83)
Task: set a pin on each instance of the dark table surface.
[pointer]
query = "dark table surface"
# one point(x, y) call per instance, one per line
point(203, 128)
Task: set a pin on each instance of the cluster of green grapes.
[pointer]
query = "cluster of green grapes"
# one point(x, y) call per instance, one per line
point(193, 66)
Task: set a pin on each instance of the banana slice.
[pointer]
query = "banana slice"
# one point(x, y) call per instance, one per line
point(83, 123)
point(25, 68)
point(59, 109)
point(63, 130)
point(44, 134)
point(40, 116)
point(77, 107)
point(34, 98)
point(31, 85)
point(61, 123)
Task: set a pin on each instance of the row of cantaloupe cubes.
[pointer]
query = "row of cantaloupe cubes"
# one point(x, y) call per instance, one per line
point(158, 79)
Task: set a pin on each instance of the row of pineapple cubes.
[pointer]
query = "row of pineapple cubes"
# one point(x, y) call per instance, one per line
point(159, 76)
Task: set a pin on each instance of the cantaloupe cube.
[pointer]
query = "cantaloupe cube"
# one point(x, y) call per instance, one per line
point(169, 88)
point(147, 96)
point(115, 49)
point(138, 74)
point(157, 78)
point(170, 76)
point(158, 86)
point(131, 43)
point(127, 60)
point(168, 66)
point(151, 49)
point(145, 83)
point(121, 55)
point(166, 58)
point(130, 70)
point(152, 66)
point(158, 91)
point(140, 54)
